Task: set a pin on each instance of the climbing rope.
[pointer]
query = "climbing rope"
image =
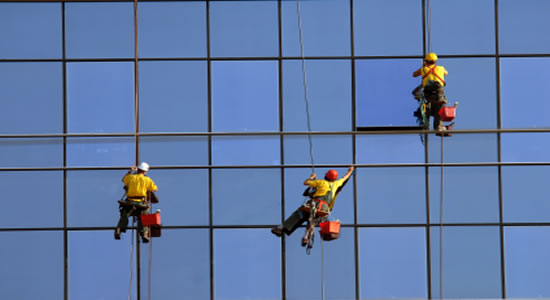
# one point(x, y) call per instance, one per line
point(429, 26)
point(131, 260)
point(441, 226)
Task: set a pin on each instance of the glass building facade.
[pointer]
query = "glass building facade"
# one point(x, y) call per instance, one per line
point(211, 94)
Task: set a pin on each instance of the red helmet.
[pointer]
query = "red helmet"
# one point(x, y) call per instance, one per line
point(331, 175)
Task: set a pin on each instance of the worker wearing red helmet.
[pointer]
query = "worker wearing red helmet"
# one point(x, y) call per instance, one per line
point(433, 81)
point(326, 190)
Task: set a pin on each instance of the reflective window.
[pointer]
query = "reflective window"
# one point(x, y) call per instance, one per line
point(189, 150)
point(28, 152)
point(30, 30)
point(327, 149)
point(180, 266)
point(463, 148)
point(99, 30)
point(472, 83)
point(32, 95)
point(173, 96)
point(470, 255)
point(463, 26)
point(250, 270)
point(527, 262)
point(169, 29)
point(524, 80)
point(325, 28)
point(256, 191)
point(470, 194)
point(519, 25)
point(245, 96)
point(244, 28)
point(101, 151)
point(389, 27)
point(100, 97)
point(92, 197)
point(98, 260)
point(378, 149)
point(534, 147)
point(379, 201)
point(32, 267)
point(47, 207)
point(524, 193)
point(392, 263)
point(183, 196)
point(246, 150)
point(294, 189)
point(338, 259)
point(384, 92)
point(329, 95)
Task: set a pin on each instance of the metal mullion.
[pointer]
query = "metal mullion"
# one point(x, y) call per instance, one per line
point(210, 190)
point(65, 127)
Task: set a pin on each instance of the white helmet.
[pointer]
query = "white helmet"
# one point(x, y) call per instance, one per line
point(143, 166)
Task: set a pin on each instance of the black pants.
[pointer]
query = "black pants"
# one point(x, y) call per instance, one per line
point(127, 211)
point(296, 219)
point(435, 95)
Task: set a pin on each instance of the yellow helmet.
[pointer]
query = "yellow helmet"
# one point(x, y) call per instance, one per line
point(431, 56)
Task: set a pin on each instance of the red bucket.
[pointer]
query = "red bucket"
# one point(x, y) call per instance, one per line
point(150, 220)
point(447, 113)
point(330, 230)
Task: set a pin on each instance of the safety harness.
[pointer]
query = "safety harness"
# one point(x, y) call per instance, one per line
point(432, 71)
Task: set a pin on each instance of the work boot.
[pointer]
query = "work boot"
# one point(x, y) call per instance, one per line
point(117, 233)
point(146, 237)
point(305, 240)
point(278, 231)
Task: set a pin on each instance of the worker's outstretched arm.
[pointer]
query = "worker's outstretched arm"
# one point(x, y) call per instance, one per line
point(348, 174)
point(132, 169)
point(417, 72)
point(312, 177)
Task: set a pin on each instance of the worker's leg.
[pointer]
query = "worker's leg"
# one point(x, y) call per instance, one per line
point(144, 230)
point(123, 221)
point(297, 218)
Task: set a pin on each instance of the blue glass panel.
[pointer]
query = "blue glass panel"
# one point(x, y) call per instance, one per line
point(107, 151)
point(304, 270)
point(246, 264)
point(173, 96)
point(463, 26)
point(379, 201)
point(525, 193)
point(41, 207)
point(244, 28)
point(471, 255)
point(246, 150)
point(32, 267)
point(377, 148)
point(30, 30)
point(245, 96)
point(527, 262)
point(99, 30)
point(336, 149)
point(470, 194)
point(169, 29)
point(524, 92)
point(98, 260)
point(180, 265)
point(534, 147)
point(188, 150)
point(389, 27)
point(466, 148)
point(329, 95)
point(384, 92)
point(520, 25)
point(32, 95)
point(294, 188)
point(246, 196)
point(183, 196)
point(27, 152)
point(392, 263)
point(474, 90)
point(325, 28)
point(92, 197)
point(100, 97)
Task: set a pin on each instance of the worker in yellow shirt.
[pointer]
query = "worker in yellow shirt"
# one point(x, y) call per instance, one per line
point(323, 197)
point(138, 189)
point(433, 81)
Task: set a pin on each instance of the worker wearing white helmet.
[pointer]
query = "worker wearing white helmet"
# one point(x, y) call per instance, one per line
point(138, 187)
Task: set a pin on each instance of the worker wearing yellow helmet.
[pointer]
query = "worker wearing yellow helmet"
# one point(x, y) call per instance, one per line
point(433, 81)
